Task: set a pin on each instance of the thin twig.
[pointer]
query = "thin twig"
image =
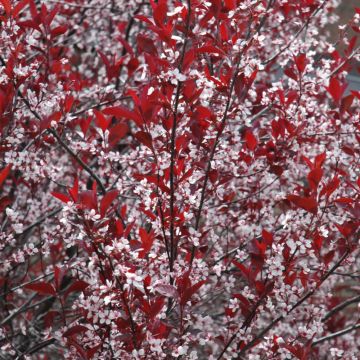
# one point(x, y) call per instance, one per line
point(336, 334)
point(340, 307)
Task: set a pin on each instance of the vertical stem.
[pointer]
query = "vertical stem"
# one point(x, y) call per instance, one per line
point(173, 150)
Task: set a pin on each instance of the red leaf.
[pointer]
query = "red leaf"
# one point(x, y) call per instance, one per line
point(147, 240)
point(336, 89)
point(59, 30)
point(7, 6)
point(307, 203)
point(92, 351)
point(314, 178)
point(188, 59)
point(144, 138)
point(156, 307)
point(291, 73)
point(160, 13)
point(101, 121)
point(318, 241)
point(107, 200)
point(346, 103)
point(344, 229)
point(42, 288)
point(230, 4)
point(244, 270)
point(18, 7)
point(78, 285)
point(331, 186)
point(166, 290)
point(120, 112)
point(348, 150)
point(328, 257)
point(251, 141)
point(344, 200)
point(117, 132)
point(88, 199)
point(58, 275)
point(77, 329)
point(74, 191)
point(85, 124)
point(209, 49)
point(301, 62)
point(62, 197)
point(4, 202)
point(319, 160)
point(68, 103)
point(224, 31)
point(267, 237)
point(146, 45)
point(188, 293)
point(4, 173)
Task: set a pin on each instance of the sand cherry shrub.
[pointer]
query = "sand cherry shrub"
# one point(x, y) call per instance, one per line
point(179, 180)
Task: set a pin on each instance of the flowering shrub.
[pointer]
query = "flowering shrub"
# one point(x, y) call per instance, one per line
point(179, 180)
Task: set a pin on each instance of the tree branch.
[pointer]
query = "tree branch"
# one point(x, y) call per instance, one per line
point(336, 334)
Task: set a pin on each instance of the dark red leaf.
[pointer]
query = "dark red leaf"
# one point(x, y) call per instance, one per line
point(4, 174)
point(74, 191)
point(62, 197)
point(267, 237)
point(314, 178)
point(336, 89)
point(106, 201)
point(59, 30)
point(301, 62)
point(146, 45)
point(230, 4)
point(156, 307)
point(291, 73)
point(77, 329)
point(189, 292)
point(117, 132)
point(344, 200)
point(18, 7)
point(101, 121)
point(251, 141)
point(331, 186)
point(244, 270)
point(307, 203)
point(88, 199)
point(167, 290)
point(120, 112)
point(77, 285)
point(319, 160)
point(160, 13)
point(147, 240)
point(144, 138)
point(348, 150)
point(346, 103)
point(7, 6)
point(209, 49)
point(42, 288)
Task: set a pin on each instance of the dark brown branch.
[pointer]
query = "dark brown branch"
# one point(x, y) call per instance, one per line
point(78, 160)
point(172, 145)
point(336, 334)
point(340, 307)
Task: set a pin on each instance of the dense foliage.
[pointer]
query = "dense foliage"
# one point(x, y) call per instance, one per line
point(179, 180)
